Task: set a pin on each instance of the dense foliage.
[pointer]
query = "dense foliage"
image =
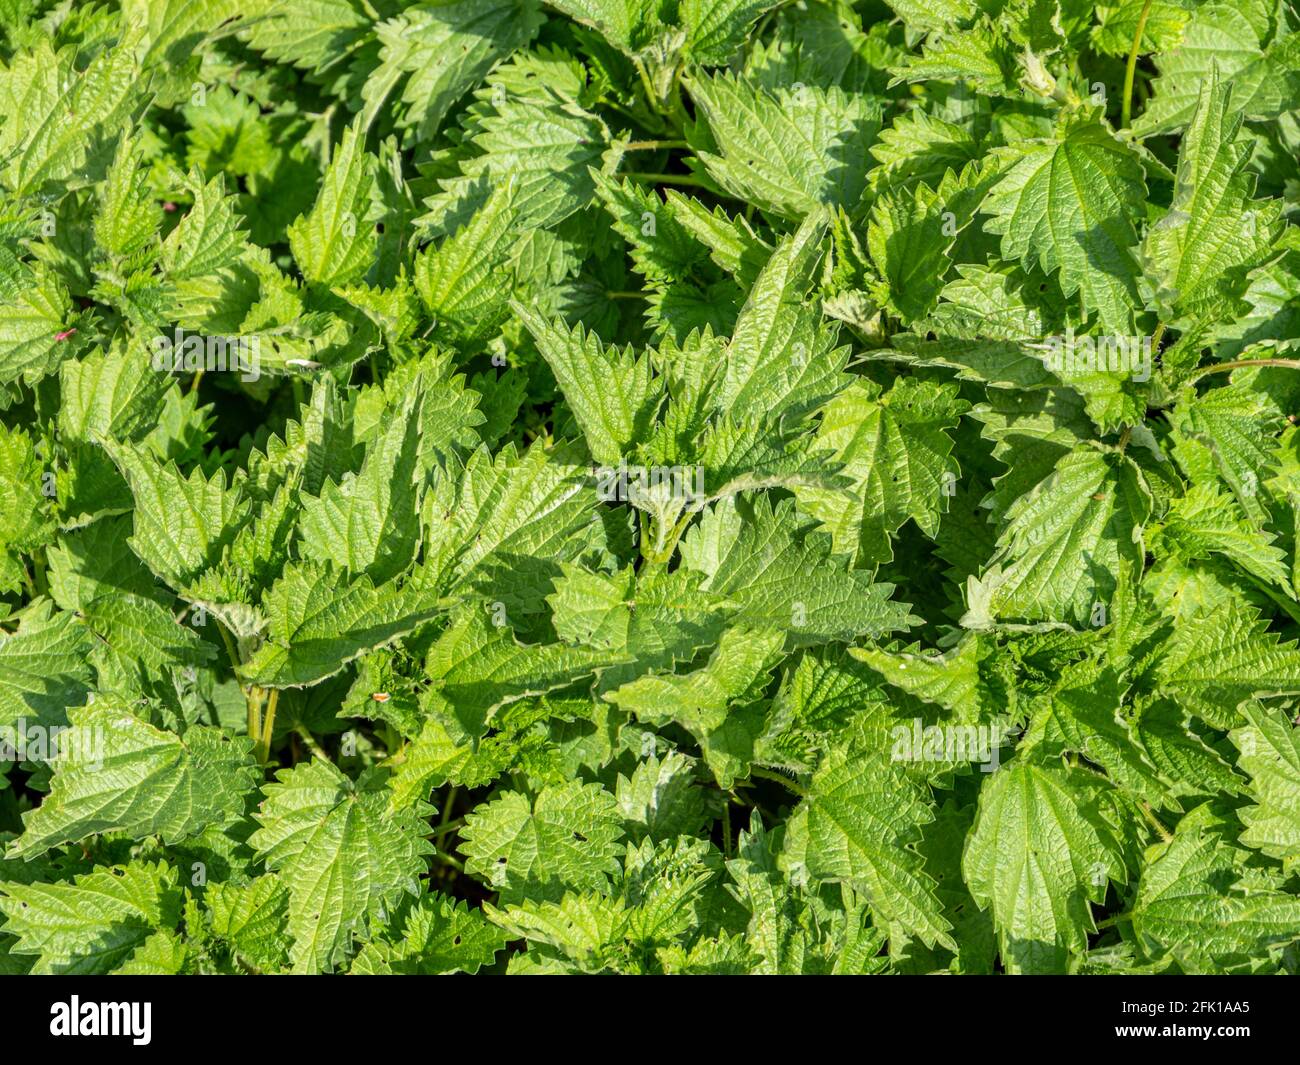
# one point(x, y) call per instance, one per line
point(649, 486)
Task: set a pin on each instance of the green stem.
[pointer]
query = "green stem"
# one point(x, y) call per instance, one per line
point(254, 697)
point(1126, 105)
point(446, 827)
point(1164, 833)
point(667, 179)
point(780, 778)
point(27, 579)
point(39, 582)
point(268, 725)
point(1119, 918)
point(650, 146)
point(1241, 364)
point(312, 743)
point(726, 831)
point(647, 88)
point(678, 116)
point(230, 650)
point(659, 555)
point(448, 804)
point(648, 120)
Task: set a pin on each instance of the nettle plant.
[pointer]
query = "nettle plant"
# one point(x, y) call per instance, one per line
point(685, 486)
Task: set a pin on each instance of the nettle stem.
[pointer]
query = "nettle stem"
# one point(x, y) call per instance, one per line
point(252, 695)
point(648, 146)
point(1126, 105)
point(230, 650)
point(780, 778)
point(1164, 833)
point(313, 745)
point(667, 179)
point(1241, 364)
point(254, 698)
point(268, 725)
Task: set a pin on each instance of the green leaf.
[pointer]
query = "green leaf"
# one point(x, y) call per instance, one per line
point(1162, 30)
point(1270, 756)
point(208, 239)
point(1196, 902)
point(110, 394)
point(611, 394)
point(1072, 204)
point(781, 358)
point(477, 667)
point(661, 798)
point(316, 623)
point(783, 575)
point(979, 54)
point(465, 282)
point(715, 29)
point(342, 854)
point(1064, 541)
point(1036, 856)
point(621, 22)
point(56, 112)
point(511, 521)
point(920, 148)
point(44, 666)
point(369, 522)
point(909, 239)
point(662, 247)
point(542, 146)
point(25, 523)
point(441, 51)
point(654, 616)
point(699, 701)
point(952, 680)
point(439, 935)
point(897, 449)
point(252, 919)
point(127, 221)
point(94, 923)
point(120, 774)
point(1181, 753)
point(335, 243)
point(1207, 521)
point(1216, 660)
point(564, 839)
point(788, 151)
point(35, 318)
point(1215, 234)
point(314, 36)
point(857, 825)
point(1244, 43)
point(181, 524)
